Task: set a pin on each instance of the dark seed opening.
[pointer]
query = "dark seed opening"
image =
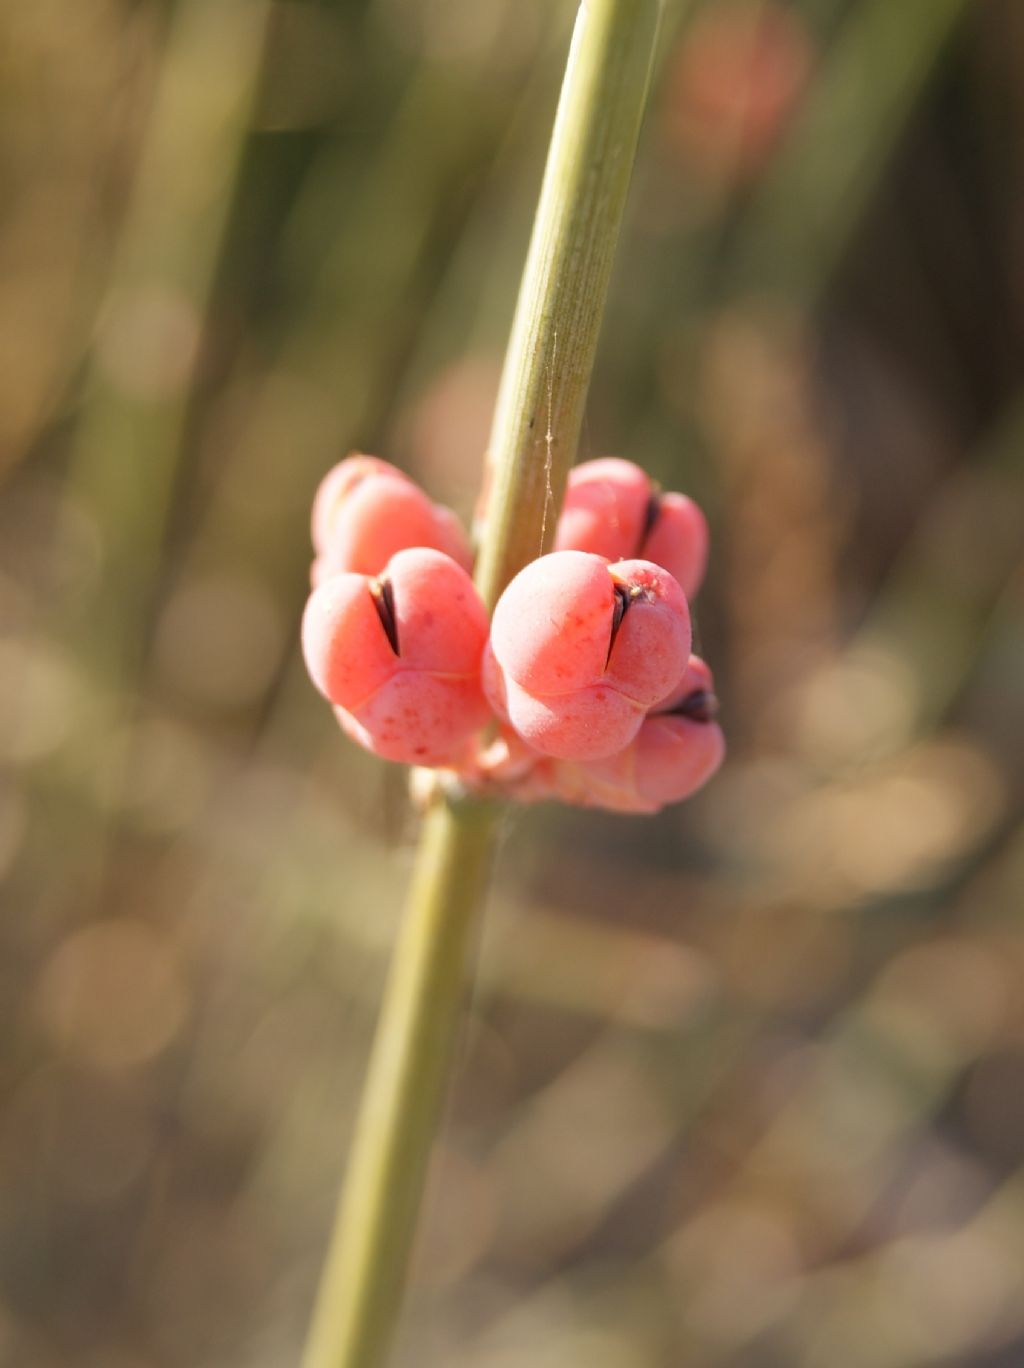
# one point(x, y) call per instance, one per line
point(700, 706)
point(623, 598)
point(383, 595)
point(651, 514)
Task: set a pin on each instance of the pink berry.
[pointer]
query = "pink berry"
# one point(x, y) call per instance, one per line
point(671, 756)
point(676, 751)
point(339, 482)
point(580, 649)
point(582, 725)
point(440, 620)
point(451, 536)
point(594, 721)
point(675, 756)
point(678, 541)
point(605, 509)
point(569, 620)
point(420, 718)
point(696, 678)
point(651, 642)
point(492, 678)
point(400, 656)
point(611, 509)
point(551, 629)
point(347, 651)
point(366, 510)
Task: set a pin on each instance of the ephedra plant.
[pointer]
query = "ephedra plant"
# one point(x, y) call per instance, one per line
point(554, 664)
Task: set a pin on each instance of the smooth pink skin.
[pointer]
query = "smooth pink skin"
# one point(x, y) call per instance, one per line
point(652, 645)
point(679, 541)
point(591, 784)
point(586, 724)
point(675, 756)
point(458, 756)
point(382, 515)
point(605, 508)
point(598, 782)
point(440, 620)
point(440, 617)
point(492, 677)
point(346, 650)
point(418, 718)
point(451, 536)
point(548, 671)
point(696, 678)
point(552, 628)
point(669, 760)
point(336, 486)
point(552, 625)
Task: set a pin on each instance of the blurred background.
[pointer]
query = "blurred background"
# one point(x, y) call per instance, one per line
point(741, 1086)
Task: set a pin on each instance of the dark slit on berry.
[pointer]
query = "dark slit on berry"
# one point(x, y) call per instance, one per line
point(651, 514)
point(623, 598)
point(383, 596)
point(700, 706)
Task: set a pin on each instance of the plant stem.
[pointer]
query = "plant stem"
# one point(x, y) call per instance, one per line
point(130, 439)
point(536, 427)
point(551, 350)
point(362, 1279)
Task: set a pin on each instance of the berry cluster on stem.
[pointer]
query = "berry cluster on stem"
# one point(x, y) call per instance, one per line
point(547, 371)
point(585, 665)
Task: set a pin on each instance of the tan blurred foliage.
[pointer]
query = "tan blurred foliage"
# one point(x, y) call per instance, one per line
point(740, 1087)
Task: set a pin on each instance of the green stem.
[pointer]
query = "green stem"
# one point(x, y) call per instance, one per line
point(561, 299)
point(361, 1285)
point(130, 439)
point(536, 428)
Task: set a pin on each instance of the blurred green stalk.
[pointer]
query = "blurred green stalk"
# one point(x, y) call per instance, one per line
point(536, 429)
point(139, 385)
point(130, 437)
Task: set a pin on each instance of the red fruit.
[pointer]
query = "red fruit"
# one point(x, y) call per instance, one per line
point(400, 656)
point(675, 756)
point(611, 509)
point(605, 509)
point(677, 750)
point(346, 649)
point(366, 511)
point(336, 486)
point(651, 643)
point(678, 541)
point(580, 649)
point(551, 630)
point(582, 725)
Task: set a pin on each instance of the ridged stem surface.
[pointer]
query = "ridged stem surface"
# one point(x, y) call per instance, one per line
point(533, 441)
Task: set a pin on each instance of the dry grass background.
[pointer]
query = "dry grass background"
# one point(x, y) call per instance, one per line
point(741, 1086)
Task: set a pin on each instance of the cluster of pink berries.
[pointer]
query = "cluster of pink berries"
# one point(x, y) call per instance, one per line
point(586, 664)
